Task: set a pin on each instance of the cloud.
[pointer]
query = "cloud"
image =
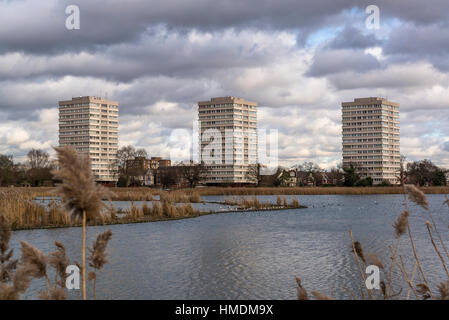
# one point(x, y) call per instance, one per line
point(354, 38)
point(334, 61)
point(400, 76)
point(446, 146)
point(298, 59)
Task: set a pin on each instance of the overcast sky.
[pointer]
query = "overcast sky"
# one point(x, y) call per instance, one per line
point(298, 59)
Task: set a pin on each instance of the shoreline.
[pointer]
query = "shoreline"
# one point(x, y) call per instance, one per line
point(206, 213)
point(146, 193)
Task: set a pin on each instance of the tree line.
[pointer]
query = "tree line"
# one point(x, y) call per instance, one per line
point(37, 169)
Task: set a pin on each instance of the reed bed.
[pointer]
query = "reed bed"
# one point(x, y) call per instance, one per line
point(188, 196)
point(163, 210)
point(253, 203)
point(193, 195)
point(214, 191)
point(23, 213)
point(30, 215)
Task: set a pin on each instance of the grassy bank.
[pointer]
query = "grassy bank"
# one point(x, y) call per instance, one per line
point(315, 191)
point(193, 195)
point(24, 213)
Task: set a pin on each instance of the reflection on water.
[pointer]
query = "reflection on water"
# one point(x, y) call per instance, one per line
point(252, 255)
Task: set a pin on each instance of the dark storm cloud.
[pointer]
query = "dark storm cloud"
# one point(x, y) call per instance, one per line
point(334, 61)
point(352, 37)
point(412, 42)
point(162, 53)
point(39, 26)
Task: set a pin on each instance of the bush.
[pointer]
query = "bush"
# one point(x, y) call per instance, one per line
point(385, 183)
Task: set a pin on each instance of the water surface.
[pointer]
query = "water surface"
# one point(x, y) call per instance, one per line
point(252, 255)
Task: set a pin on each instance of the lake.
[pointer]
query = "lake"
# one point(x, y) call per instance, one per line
point(251, 255)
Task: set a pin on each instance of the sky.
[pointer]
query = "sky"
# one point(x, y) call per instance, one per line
point(298, 59)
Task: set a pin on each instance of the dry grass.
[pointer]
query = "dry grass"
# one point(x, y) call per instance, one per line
point(178, 196)
point(23, 213)
point(158, 211)
point(253, 203)
point(147, 194)
point(314, 191)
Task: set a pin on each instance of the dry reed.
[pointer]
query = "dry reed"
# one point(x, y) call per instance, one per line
point(97, 258)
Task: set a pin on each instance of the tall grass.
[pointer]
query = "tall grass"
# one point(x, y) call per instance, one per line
point(159, 211)
point(23, 213)
point(180, 196)
point(191, 195)
point(253, 203)
point(209, 191)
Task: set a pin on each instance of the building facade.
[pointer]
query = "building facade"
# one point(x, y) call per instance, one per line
point(156, 162)
point(371, 138)
point(90, 124)
point(145, 172)
point(228, 140)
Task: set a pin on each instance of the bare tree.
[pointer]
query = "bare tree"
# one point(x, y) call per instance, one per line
point(335, 175)
point(193, 172)
point(425, 172)
point(253, 173)
point(38, 159)
point(141, 153)
point(39, 167)
point(402, 173)
point(124, 154)
point(308, 171)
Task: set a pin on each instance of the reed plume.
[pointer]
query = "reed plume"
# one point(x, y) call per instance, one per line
point(79, 193)
point(97, 258)
point(302, 293)
point(59, 261)
point(53, 293)
point(359, 251)
point(444, 290)
point(372, 259)
point(32, 265)
point(17, 276)
point(400, 225)
point(35, 259)
point(417, 196)
point(321, 296)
